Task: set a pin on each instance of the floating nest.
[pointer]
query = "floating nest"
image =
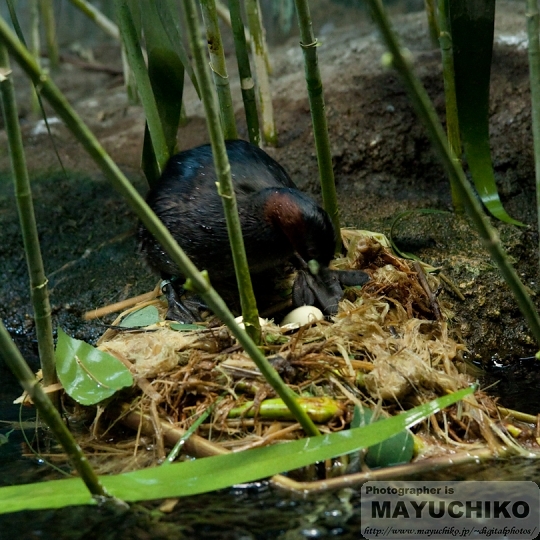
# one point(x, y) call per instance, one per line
point(389, 348)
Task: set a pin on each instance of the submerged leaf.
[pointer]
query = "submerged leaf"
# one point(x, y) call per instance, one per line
point(87, 374)
point(395, 450)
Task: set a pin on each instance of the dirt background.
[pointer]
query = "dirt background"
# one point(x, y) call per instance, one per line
point(382, 160)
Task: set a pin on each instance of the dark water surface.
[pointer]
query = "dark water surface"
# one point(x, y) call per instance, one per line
point(256, 511)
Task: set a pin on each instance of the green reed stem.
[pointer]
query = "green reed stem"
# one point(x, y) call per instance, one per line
point(35, 47)
point(98, 18)
point(219, 68)
point(433, 25)
point(318, 115)
point(452, 122)
point(150, 220)
point(23, 195)
point(264, 43)
point(427, 114)
point(47, 15)
point(260, 58)
point(244, 70)
point(223, 173)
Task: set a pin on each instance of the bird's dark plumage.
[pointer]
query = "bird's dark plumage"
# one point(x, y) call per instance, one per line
point(277, 219)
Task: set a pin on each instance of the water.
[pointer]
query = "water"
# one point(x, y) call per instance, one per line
point(254, 511)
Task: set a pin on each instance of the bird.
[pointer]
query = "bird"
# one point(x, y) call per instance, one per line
point(280, 224)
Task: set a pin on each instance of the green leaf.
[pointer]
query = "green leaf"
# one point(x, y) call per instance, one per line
point(87, 374)
point(472, 27)
point(170, 22)
point(393, 451)
point(142, 317)
point(166, 72)
point(179, 327)
point(208, 474)
point(131, 41)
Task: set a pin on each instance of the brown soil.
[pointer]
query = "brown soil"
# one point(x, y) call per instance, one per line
point(383, 165)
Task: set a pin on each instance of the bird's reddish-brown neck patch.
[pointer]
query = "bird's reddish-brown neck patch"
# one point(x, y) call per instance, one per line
point(284, 213)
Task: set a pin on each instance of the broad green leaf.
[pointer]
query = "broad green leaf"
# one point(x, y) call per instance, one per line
point(142, 317)
point(131, 41)
point(218, 472)
point(87, 374)
point(472, 27)
point(170, 22)
point(393, 451)
point(166, 72)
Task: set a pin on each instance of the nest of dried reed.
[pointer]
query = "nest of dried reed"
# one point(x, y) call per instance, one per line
point(388, 348)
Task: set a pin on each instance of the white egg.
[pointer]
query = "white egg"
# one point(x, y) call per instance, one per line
point(303, 315)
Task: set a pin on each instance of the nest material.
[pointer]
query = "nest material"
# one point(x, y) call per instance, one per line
point(385, 349)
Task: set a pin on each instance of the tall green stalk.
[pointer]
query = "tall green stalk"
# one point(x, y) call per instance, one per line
point(318, 116)
point(35, 46)
point(244, 70)
point(16, 363)
point(23, 194)
point(264, 43)
point(47, 15)
point(150, 220)
point(452, 122)
point(35, 92)
point(223, 172)
point(533, 27)
point(261, 70)
point(219, 68)
point(427, 114)
point(431, 12)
